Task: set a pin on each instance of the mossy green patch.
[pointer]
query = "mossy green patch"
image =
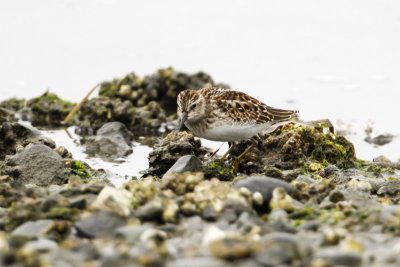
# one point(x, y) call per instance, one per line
point(220, 170)
point(78, 168)
point(62, 213)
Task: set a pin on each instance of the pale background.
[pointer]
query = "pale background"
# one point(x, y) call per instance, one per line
point(329, 59)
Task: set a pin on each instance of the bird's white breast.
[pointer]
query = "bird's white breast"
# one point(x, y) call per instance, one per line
point(230, 132)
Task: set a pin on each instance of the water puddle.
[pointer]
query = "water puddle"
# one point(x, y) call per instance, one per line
point(120, 171)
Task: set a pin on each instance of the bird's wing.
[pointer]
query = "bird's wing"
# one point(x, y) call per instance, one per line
point(244, 108)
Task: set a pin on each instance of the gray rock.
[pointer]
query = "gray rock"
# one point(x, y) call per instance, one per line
point(188, 163)
point(31, 230)
point(360, 198)
point(151, 211)
point(390, 215)
point(112, 140)
point(306, 179)
point(279, 248)
point(265, 185)
point(209, 213)
point(331, 169)
point(132, 233)
point(335, 257)
point(115, 128)
point(37, 164)
point(229, 215)
point(197, 262)
point(390, 188)
point(42, 245)
point(16, 134)
point(100, 224)
point(380, 140)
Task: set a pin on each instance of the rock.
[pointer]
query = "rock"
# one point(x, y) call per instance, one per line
point(293, 146)
point(389, 188)
point(112, 140)
point(37, 164)
point(209, 213)
point(18, 135)
point(151, 211)
point(98, 111)
point(188, 163)
point(31, 230)
point(132, 233)
point(333, 257)
point(98, 225)
point(170, 149)
point(336, 196)
point(116, 200)
point(386, 163)
point(390, 216)
point(281, 200)
point(42, 245)
point(231, 249)
point(265, 185)
point(182, 183)
point(380, 140)
point(197, 262)
point(280, 248)
point(48, 110)
point(162, 86)
point(331, 169)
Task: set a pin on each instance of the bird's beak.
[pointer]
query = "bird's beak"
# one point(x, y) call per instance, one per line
point(183, 119)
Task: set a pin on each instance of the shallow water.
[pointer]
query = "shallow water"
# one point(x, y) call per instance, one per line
point(119, 171)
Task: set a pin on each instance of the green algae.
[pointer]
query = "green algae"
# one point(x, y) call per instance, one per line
point(79, 169)
point(220, 170)
point(63, 213)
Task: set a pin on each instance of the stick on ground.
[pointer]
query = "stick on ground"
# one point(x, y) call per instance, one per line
point(78, 106)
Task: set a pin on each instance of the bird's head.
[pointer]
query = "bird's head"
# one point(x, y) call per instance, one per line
point(191, 107)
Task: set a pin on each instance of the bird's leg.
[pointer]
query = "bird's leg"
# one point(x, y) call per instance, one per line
point(232, 145)
point(235, 164)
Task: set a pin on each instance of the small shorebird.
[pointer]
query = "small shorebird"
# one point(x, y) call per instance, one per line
point(225, 115)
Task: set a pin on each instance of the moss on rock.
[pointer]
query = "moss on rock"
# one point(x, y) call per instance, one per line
point(296, 146)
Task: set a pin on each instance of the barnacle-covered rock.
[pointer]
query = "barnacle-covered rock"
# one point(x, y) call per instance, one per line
point(162, 86)
point(13, 104)
point(98, 111)
point(14, 136)
point(48, 110)
point(292, 146)
point(171, 148)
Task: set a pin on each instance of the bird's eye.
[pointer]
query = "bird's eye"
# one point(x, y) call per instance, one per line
point(193, 106)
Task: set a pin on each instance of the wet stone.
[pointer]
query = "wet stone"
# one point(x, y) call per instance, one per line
point(169, 150)
point(100, 224)
point(188, 163)
point(112, 140)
